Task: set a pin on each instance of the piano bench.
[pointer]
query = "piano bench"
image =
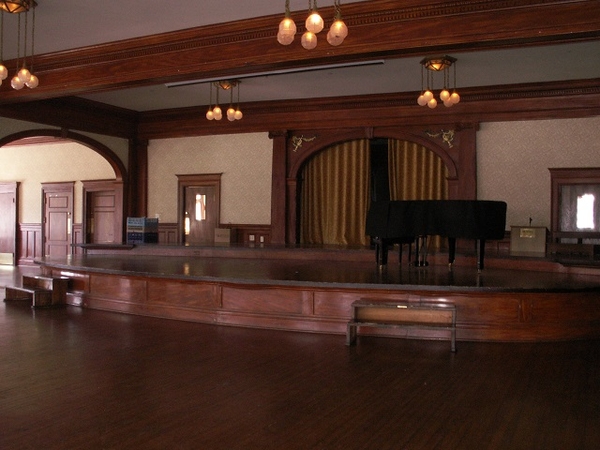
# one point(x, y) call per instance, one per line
point(398, 314)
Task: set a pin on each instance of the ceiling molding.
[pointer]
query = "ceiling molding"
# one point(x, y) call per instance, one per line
point(380, 28)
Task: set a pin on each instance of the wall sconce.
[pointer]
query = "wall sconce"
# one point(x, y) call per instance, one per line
point(433, 65)
point(215, 113)
point(314, 25)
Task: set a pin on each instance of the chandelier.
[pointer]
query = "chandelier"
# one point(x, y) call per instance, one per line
point(314, 25)
point(23, 76)
point(215, 112)
point(430, 66)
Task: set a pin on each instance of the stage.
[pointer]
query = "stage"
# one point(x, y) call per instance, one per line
point(312, 290)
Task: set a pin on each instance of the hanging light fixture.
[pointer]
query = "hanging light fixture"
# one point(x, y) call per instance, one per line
point(24, 76)
point(429, 66)
point(17, 6)
point(338, 31)
point(215, 113)
point(314, 24)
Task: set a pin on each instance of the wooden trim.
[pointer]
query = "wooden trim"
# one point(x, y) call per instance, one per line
point(30, 243)
point(380, 28)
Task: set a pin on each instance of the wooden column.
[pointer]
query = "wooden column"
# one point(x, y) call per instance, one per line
point(279, 188)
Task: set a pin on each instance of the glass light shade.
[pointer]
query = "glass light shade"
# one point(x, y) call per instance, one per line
point(333, 39)
point(448, 103)
point(444, 95)
point(217, 113)
point(210, 115)
point(3, 72)
point(238, 114)
point(339, 28)
point(287, 26)
point(231, 114)
point(33, 82)
point(309, 40)
point(421, 100)
point(432, 103)
point(314, 23)
point(24, 75)
point(16, 83)
point(428, 95)
point(17, 6)
point(455, 98)
point(285, 39)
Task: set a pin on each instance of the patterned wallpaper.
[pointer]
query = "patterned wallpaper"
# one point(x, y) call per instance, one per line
point(33, 165)
point(245, 161)
point(513, 159)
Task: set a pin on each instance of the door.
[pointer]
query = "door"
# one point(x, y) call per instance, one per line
point(199, 207)
point(102, 211)
point(8, 223)
point(200, 215)
point(58, 218)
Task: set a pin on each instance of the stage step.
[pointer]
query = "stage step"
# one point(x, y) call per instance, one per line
point(40, 291)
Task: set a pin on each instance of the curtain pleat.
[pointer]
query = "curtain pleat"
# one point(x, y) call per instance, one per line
point(335, 194)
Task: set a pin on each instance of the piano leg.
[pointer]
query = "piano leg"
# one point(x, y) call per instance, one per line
point(381, 251)
point(451, 252)
point(480, 254)
point(421, 251)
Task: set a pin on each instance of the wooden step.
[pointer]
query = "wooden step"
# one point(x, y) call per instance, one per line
point(37, 296)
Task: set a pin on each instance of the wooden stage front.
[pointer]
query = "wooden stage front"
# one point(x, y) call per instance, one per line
point(312, 290)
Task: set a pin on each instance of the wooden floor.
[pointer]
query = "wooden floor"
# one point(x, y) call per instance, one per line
point(75, 378)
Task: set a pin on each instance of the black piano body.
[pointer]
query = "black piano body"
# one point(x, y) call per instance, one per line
point(390, 222)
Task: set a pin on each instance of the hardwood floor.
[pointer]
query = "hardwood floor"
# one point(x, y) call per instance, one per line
point(74, 378)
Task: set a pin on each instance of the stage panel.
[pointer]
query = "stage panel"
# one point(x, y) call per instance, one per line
point(316, 296)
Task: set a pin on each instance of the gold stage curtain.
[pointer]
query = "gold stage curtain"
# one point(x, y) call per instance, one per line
point(335, 195)
point(417, 173)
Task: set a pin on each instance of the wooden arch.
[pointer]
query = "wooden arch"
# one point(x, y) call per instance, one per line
point(457, 153)
point(110, 156)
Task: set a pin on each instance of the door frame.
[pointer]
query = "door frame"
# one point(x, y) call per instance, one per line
point(12, 187)
point(91, 186)
point(200, 180)
point(58, 187)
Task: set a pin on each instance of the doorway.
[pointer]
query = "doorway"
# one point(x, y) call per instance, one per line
point(103, 211)
point(57, 205)
point(199, 207)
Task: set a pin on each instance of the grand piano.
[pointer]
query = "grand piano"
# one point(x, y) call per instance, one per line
point(405, 221)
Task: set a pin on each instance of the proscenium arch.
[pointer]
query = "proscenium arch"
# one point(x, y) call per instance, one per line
point(328, 140)
point(110, 156)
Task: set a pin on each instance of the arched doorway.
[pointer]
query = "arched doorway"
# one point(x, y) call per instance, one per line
point(60, 162)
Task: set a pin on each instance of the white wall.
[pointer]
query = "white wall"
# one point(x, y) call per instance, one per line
point(32, 165)
point(513, 159)
point(245, 161)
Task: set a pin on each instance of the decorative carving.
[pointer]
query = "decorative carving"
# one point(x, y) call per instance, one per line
point(297, 141)
point(447, 136)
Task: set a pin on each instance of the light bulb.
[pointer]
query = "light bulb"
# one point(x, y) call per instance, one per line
point(455, 98)
point(33, 82)
point(210, 115)
point(238, 114)
point(309, 40)
point(3, 72)
point(444, 95)
point(428, 95)
point(314, 23)
point(432, 103)
point(16, 83)
point(421, 100)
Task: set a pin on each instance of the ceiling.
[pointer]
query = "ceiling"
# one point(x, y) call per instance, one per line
point(69, 24)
